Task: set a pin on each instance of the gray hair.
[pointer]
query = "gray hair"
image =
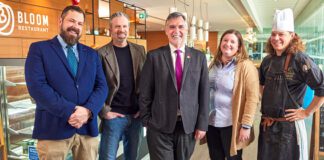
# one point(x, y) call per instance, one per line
point(174, 15)
point(118, 14)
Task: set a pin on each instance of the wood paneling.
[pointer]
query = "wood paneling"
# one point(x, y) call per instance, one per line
point(133, 21)
point(132, 32)
point(132, 40)
point(103, 26)
point(54, 4)
point(102, 40)
point(155, 39)
point(88, 40)
point(131, 14)
point(138, 41)
point(87, 5)
point(88, 26)
point(59, 4)
point(25, 45)
point(212, 42)
point(142, 42)
point(116, 6)
point(10, 47)
point(96, 14)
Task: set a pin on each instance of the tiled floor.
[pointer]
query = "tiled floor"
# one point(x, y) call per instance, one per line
point(200, 153)
point(249, 153)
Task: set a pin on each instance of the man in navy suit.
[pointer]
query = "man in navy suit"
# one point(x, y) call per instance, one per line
point(174, 95)
point(68, 84)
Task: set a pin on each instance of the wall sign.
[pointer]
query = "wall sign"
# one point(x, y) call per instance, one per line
point(23, 20)
point(7, 20)
point(32, 22)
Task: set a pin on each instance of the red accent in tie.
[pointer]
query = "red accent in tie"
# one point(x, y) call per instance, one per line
point(178, 70)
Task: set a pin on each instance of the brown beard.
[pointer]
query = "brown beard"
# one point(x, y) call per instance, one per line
point(70, 39)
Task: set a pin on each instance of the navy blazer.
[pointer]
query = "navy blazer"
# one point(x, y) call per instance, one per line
point(56, 92)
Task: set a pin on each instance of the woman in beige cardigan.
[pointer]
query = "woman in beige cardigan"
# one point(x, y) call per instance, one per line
point(234, 95)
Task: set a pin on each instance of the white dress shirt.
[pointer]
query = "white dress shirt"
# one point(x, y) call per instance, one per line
point(174, 55)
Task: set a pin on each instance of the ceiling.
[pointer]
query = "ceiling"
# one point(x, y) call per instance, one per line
point(225, 14)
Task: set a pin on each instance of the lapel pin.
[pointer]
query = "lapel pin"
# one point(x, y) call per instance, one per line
point(188, 57)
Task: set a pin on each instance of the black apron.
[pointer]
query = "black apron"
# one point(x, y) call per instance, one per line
point(278, 141)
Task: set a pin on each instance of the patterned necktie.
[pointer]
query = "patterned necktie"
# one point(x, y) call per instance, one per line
point(178, 70)
point(72, 60)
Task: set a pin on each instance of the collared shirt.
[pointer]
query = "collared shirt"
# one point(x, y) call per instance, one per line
point(64, 47)
point(221, 82)
point(174, 55)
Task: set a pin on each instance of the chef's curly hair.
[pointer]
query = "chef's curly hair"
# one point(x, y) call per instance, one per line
point(295, 45)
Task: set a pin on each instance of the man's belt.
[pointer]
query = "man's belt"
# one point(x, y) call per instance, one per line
point(268, 121)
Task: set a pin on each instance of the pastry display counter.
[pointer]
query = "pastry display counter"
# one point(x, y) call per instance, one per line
point(18, 112)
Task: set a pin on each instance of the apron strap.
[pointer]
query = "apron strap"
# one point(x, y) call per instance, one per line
point(287, 61)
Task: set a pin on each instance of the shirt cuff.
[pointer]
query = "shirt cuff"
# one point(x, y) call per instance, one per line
point(244, 126)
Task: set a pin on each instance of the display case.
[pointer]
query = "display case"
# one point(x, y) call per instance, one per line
point(17, 110)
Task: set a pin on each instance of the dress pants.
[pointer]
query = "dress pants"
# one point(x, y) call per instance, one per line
point(219, 143)
point(170, 146)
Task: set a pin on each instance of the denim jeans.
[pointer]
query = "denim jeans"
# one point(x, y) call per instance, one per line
point(126, 128)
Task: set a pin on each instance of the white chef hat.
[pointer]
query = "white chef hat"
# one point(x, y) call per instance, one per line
point(283, 20)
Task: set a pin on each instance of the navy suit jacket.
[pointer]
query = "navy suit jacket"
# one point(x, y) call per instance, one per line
point(56, 92)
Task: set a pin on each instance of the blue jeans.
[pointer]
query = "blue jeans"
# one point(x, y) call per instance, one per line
point(126, 128)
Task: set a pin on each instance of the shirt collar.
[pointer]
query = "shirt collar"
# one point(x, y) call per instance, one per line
point(173, 49)
point(63, 43)
point(233, 61)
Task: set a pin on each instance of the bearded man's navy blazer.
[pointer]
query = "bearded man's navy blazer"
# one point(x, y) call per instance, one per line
point(56, 91)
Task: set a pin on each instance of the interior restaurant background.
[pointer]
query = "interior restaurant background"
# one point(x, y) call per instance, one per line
point(23, 22)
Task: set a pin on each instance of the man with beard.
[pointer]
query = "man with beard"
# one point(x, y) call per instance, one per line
point(68, 84)
point(174, 95)
point(122, 64)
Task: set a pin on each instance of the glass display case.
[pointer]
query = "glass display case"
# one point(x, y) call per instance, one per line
point(17, 111)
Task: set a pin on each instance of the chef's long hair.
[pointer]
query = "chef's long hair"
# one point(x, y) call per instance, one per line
point(295, 45)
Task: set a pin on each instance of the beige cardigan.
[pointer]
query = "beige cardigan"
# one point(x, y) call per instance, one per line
point(244, 102)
